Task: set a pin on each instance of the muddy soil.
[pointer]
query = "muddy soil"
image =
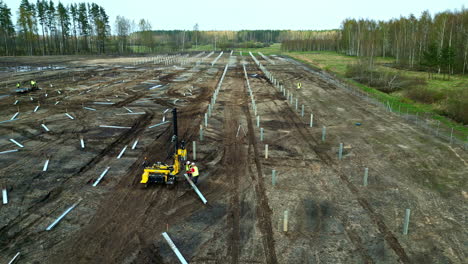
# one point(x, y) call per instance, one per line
point(332, 217)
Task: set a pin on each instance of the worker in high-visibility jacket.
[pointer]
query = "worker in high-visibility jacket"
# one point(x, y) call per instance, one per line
point(18, 85)
point(195, 173)
point(145, 162)
point(299, 85)
point(188, 168)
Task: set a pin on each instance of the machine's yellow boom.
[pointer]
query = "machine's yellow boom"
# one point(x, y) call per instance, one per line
point(163, 173)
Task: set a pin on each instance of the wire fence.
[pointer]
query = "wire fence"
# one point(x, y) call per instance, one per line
point(423, 120)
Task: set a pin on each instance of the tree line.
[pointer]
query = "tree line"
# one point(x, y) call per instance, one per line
point(180, 40)
point(317, 41)
point(46, 28)
point(436, 43)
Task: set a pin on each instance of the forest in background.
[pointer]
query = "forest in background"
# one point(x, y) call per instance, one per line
point(48, 28)
point(436, 43)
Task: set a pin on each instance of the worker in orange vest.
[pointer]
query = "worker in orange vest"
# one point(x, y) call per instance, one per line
point(188, 168)
point(195, 173)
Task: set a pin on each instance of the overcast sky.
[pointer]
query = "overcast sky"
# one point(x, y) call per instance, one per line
point(259, 14)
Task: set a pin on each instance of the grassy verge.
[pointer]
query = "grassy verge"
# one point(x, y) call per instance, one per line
point(273, 49)
point(337, 64)
point(201, 48)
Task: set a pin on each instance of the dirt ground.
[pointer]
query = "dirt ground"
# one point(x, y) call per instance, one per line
point(332, 217)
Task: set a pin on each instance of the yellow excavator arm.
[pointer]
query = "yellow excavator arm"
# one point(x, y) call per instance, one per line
point(162, 173)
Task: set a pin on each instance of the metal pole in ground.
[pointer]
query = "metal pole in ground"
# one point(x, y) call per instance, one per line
point(340, 152)
point(174, 248)
point(201, 133)
point(4, 195)
point(451, 137)
point(14, 258)
point(311, 120)
point(302, 110)
point(366, 174)
point(258, 121)
point(273, 177)
point(261, 134)
point(206, 119)
point(285, 222)
point(266, 151)
point(407, 219)
point(324, 132)
point(194, 149)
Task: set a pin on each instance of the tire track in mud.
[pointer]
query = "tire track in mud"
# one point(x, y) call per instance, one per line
point(314, 236)
point(140, 124)
point(54, 194)
point(234, 156)
point(129, 229)
point(263, 209)
point(129, 100)
point(377, 219)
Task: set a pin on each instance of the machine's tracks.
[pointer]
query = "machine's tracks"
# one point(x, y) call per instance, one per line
point(331, 163)
point(263, 209)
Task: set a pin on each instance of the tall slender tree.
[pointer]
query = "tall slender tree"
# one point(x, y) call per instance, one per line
point(7, 30)
point(27, 25)
point(64, 23)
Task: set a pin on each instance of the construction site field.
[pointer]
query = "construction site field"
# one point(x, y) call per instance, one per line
point(93, 114)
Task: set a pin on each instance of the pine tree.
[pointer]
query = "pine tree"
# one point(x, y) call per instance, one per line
point(83, 25)
point(7, 30)
point(41, 15)
point(431, 58)
point(64, 22)
point(27, 25)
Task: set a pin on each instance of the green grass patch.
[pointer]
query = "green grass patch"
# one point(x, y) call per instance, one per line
point(140, 49)
point(337, 64)
point(201, 48)
point(272, 49)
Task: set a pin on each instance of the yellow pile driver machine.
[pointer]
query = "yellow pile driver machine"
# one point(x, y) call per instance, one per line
point(161, 173)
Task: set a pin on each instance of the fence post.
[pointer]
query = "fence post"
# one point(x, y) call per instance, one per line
point(273, 177)
point(324, 132)
point(340, 152)
point(366, 174)
point(285, 222)
point(451, 137)
point(407, 219)
point(194, 150)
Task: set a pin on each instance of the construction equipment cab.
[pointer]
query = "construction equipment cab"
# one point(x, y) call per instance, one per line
point(161, 173)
